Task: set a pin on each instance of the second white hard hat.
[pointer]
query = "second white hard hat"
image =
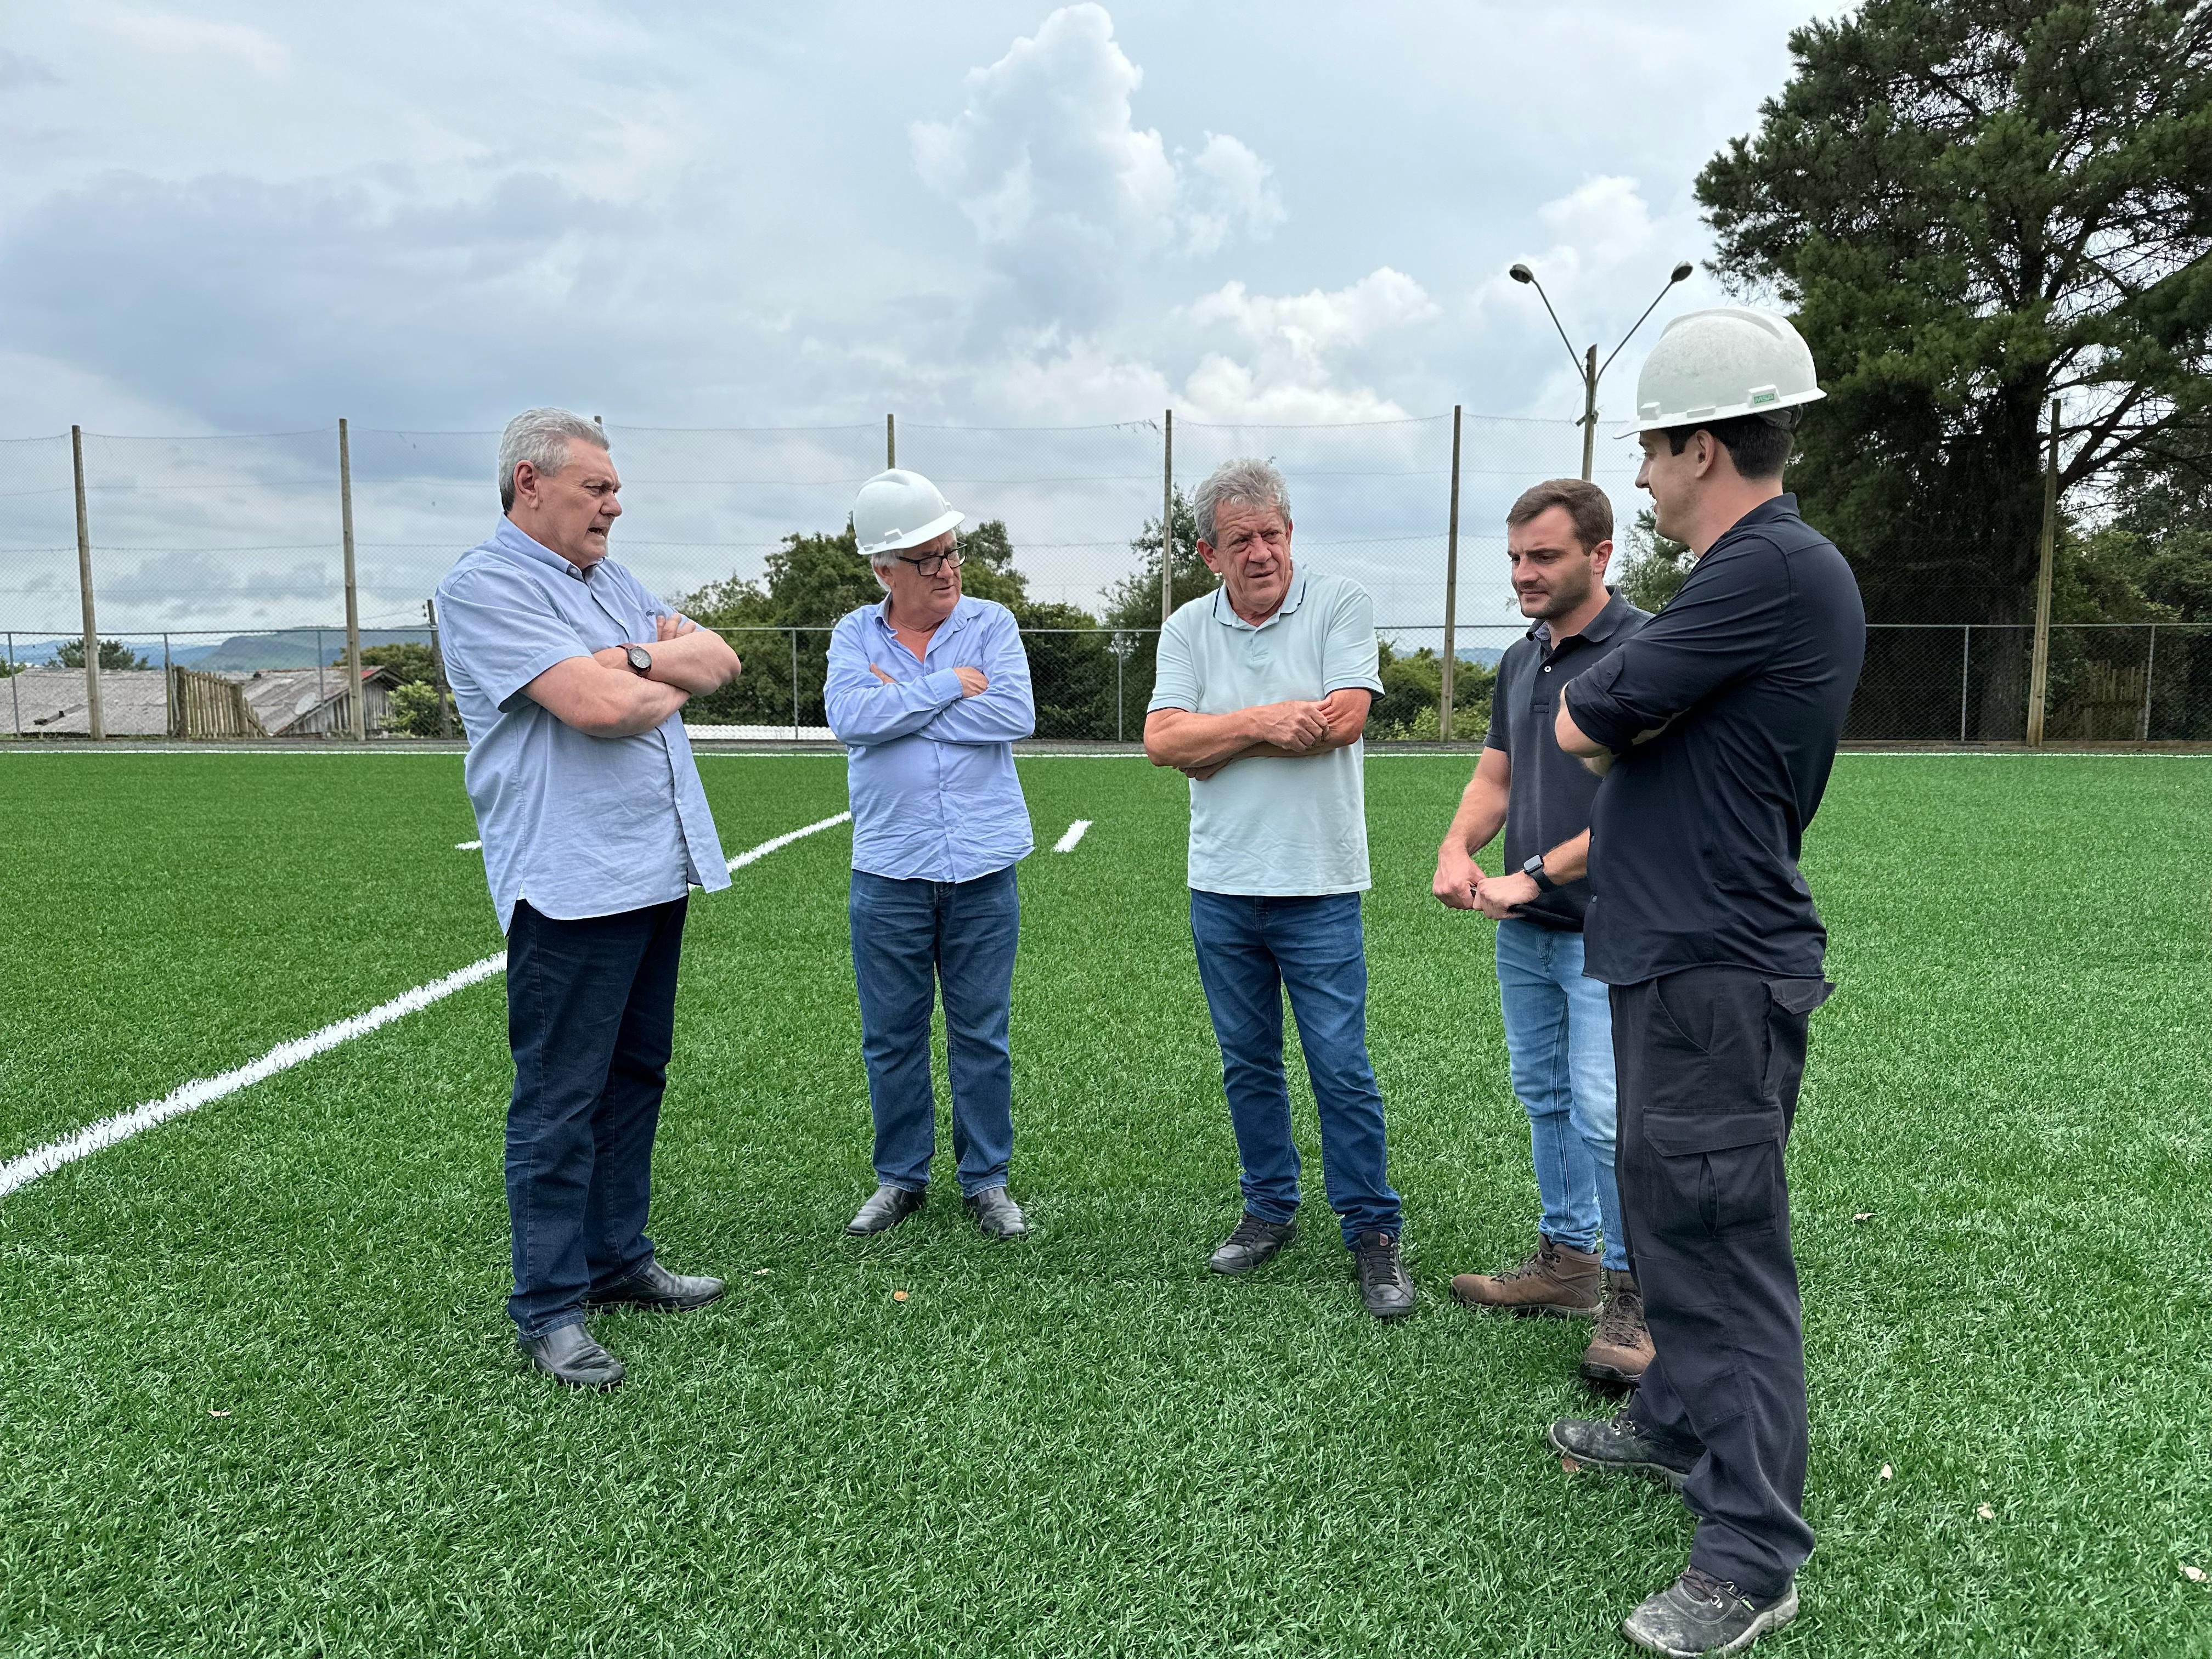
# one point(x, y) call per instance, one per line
point(1716, 365)
point(899, 509)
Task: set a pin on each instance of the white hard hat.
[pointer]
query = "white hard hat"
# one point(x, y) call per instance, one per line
point(1718, 364)
point(898, 510)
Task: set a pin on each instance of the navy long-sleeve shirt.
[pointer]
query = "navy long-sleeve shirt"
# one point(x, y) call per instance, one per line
point(1695, 835)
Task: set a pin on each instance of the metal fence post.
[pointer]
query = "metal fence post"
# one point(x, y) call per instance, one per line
point(322, 693)
point(1167, 520)
point(15, 692)
point(1120, 707)
point(794, 679)
point(2039, 672)
point(169, 694)
point(1451, 596)
point(890, 453)
point(352, 598)
point(1965, 653)
point(94, 723)
point(2150, 671)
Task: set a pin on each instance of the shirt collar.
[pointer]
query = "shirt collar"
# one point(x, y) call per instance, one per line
point(512, 536)
point(963, 611)
point(1226, 614)
point(1596, 630)
point(1783, 506)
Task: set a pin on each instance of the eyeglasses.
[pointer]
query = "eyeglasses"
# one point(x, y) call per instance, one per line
point(932, 564)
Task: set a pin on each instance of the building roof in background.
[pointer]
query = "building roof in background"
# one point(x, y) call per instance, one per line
point(133, 703)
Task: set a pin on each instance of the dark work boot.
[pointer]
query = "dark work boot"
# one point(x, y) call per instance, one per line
point(1616, 1443)
point(1386, 1289)
point(567, 1354)
point(1699, 1614)
point(886, 1207)
point(1251, 1241)
point(653, 1286)
point(997, 1213)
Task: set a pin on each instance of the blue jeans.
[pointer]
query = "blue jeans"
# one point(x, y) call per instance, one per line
point(1250, 951)
point(1559, 1038)
point(591, 1015)
point(910, 939)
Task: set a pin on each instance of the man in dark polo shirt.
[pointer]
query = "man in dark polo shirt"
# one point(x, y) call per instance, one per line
point(1558, 1029)
point(1718, 723)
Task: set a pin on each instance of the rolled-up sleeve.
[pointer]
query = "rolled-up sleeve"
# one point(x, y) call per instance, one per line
point(1348, 658)
point(1723, 625)
point(863, 709)
point(1005, 710)
point(499, 635)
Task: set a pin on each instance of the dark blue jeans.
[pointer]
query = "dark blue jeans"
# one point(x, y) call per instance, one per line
point(591, 1015)
point(1250, 951)
point(910, 939)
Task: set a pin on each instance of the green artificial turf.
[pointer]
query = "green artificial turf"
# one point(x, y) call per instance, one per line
point(1083, 1444)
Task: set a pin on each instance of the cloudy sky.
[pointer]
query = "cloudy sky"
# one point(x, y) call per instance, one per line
point(253, 218)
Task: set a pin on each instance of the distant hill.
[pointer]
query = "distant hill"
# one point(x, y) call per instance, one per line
point(242, 653)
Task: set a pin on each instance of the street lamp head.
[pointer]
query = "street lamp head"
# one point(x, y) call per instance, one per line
point(1682, 272)
point(1519, 273)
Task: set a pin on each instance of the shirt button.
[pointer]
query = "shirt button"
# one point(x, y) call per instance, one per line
point(1547, 668)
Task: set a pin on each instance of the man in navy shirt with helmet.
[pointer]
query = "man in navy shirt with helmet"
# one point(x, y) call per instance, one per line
point(1716, 725)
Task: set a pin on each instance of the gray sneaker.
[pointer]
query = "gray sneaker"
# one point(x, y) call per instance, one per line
point(1386, 1289)
point(1252, 1242)
point(1700, 1614)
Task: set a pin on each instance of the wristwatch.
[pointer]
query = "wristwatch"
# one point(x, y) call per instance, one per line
point(641, 659)
point(1533, 869)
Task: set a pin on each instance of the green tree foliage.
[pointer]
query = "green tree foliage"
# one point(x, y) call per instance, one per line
point(1973, 206)
point(1656, 567)
point(412, 711)
point(113, 653)
point(1411, 708)
point(410, 663)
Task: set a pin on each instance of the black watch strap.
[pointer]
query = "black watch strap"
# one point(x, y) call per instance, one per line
point(1533, 869)
point(641, 659)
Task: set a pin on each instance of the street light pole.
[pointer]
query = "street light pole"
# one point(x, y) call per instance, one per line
point(1588, 366)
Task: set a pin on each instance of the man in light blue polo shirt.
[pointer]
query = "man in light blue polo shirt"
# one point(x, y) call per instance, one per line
point(570, 678)
point(928, 689)
point(1262, 696)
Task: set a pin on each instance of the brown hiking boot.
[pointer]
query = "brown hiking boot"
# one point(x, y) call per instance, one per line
point(1621, 1347)
point(1556, 1279)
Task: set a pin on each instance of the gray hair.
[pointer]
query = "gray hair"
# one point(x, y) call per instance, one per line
point(880, 562)
point(1251, 481)
point(540, 436)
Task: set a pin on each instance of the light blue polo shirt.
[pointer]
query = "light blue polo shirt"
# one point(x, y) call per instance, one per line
point(1276, 826)
point(578, 825)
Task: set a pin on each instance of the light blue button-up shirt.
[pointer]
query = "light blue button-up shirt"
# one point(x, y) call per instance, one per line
point(930, 773)
point(578, 825)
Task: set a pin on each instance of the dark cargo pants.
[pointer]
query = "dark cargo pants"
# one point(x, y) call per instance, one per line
point(1708, 1061)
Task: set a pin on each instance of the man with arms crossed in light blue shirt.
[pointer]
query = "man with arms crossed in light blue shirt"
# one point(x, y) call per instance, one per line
point(570, 678)
point(928, 690)
point(1262, 696)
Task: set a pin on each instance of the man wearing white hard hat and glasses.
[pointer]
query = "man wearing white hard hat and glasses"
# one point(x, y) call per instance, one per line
point(928, 690)
point(1716, 726)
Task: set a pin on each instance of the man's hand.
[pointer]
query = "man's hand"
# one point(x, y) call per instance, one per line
point(671, 627)
point(1457, 878)
point(1297, 727)
point(1499, 896)
point(973, 681)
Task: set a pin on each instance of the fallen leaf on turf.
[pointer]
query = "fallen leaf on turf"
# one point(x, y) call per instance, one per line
point(1986, 1512)
point(1568, 1466)
point(898, 1295)
point(2194, 1575)
point(760, 1273)
point(1863, 1215)
point(1886, 1471)
point(212, 1412)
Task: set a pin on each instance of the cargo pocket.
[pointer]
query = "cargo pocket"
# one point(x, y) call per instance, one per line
point(1716, 1173)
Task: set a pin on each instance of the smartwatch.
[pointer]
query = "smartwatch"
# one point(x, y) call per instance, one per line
point(641, 659)
point(1533, 869)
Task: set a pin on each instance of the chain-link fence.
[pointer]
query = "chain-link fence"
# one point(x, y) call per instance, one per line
point(220, 559)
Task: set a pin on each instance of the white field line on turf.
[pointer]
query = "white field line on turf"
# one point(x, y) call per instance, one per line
point(190, 1096)
point(1066, 842)
point(466, 846)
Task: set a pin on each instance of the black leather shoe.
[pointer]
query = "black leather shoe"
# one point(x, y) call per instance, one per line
point(997, 1215)
point(653, 1286)
point(1251, 1241)
point(567, 1354)
point(1386, 1289)
point(885, 1209)
point(1618, 1442)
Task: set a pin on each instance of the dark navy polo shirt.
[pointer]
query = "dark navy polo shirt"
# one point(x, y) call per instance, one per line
point(1695, 835)
point(1548, 796)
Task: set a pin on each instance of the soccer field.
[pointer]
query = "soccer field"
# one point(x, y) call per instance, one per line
point(261, 1397)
